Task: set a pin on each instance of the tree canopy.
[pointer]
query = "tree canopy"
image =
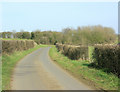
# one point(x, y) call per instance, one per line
point(87, 35)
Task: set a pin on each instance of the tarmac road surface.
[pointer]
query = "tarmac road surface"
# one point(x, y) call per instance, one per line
point(37, 71)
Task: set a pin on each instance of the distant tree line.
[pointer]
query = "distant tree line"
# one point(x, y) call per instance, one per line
point(88, 35)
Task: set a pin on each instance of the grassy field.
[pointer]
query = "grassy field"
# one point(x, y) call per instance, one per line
point(8, 63)
point(81, 70)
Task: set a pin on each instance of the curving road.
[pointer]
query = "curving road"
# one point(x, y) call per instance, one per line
point(37, 71)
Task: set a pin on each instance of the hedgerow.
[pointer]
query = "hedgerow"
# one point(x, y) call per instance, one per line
point(10, 46)
point(73, 52)
point(108, 57)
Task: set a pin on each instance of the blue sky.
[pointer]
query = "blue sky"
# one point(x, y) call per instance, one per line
point(58, 15)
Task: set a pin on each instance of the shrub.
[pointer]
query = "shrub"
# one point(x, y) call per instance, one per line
point(83, 51)
point(10, 46)
point(107, 56)
point(65, 50)
point(59, 47)
point(73, 52)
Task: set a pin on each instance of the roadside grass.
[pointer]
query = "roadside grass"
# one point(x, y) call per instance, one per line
point(79, 69)
point(9, 62)
point(91, 49)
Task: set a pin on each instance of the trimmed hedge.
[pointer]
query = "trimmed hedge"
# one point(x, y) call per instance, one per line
point(59, 47)
point(73, 52)
point(108, 57)
point(10, 46)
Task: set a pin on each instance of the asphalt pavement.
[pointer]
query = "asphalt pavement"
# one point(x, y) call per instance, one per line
point(37, 71)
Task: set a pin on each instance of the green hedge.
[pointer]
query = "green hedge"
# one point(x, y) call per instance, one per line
point(73, 52)
point(10, 46)
point(59, 47)
point(108, 57)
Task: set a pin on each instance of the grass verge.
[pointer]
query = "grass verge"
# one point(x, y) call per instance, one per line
point(80, 69)
point(90, 51)
point(9, 62)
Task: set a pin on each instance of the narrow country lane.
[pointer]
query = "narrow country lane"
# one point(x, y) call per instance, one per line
point(37, 71)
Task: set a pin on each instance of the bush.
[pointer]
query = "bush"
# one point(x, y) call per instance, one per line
point(65, 50)
point(10, 46)
point(107, 56)
point(73, 52)
point(59, 47)
point(83, 51)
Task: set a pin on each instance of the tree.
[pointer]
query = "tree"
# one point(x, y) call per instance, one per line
point(14, 33)
point(26, 35)
point(19, 35)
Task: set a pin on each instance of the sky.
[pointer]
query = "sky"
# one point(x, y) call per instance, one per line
point(55, 16)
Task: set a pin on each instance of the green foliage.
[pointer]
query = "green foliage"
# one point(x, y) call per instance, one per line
point(26, 35)
point(91, 50)
point(101, 56)
point(79, 69)
point(6, 35)
point(59, 47)
point(73, 52)
point(23, 35)
point(88, 35)
point(76, 53)
point(46, 37)
point(107, 56)
point(19, 35)
point(10, 46)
